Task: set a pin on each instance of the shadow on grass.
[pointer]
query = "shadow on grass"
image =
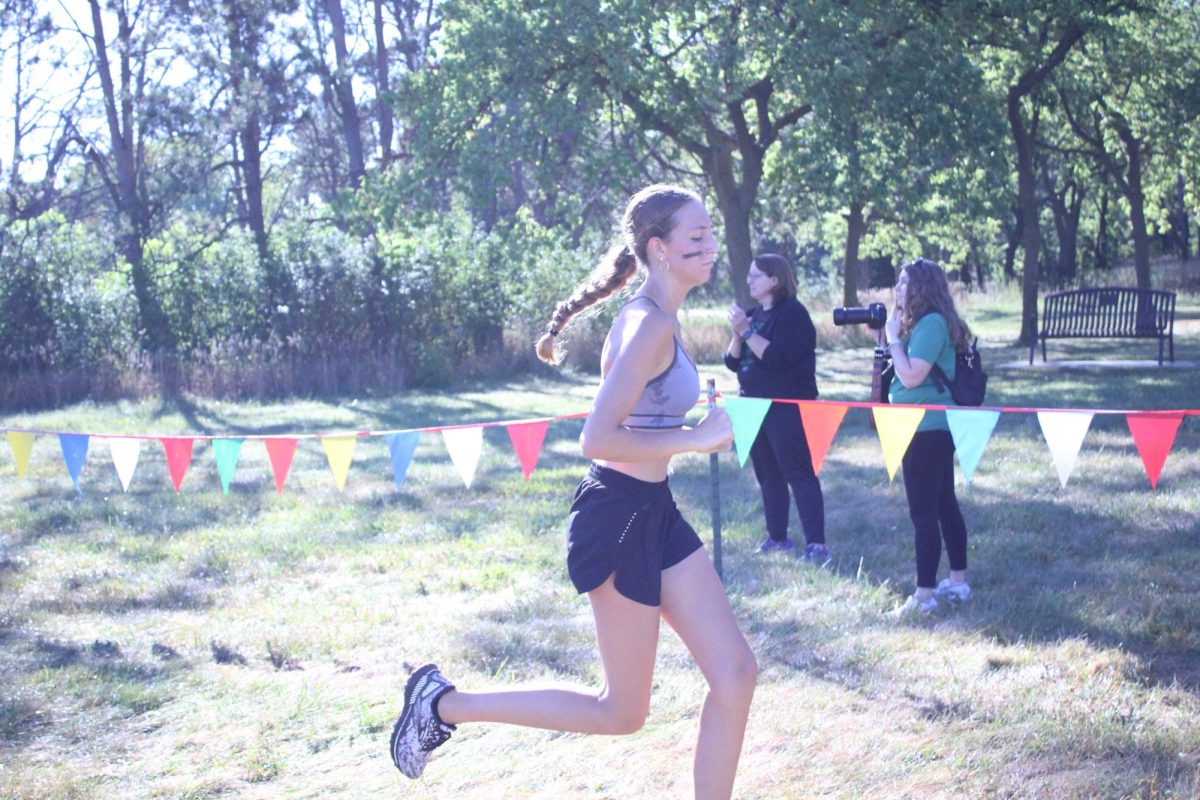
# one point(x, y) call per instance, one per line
point(1043, 569)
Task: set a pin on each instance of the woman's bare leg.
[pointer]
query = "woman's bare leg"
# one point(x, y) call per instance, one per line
point(695, 606)
point(627, 637)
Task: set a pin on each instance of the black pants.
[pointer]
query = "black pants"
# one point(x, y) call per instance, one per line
point(781, 459)
point(932, 505)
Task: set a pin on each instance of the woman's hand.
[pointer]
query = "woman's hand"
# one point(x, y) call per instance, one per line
point(738, 319)
point(714, 433)
point(892, 327)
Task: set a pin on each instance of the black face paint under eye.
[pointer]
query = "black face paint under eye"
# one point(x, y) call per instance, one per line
point(696, 254)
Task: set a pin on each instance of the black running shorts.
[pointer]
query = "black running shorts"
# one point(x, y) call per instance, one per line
point(629, 527)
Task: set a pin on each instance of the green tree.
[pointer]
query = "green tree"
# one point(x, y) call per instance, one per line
point(707, 87)
point(1129, 97)
point(1020, 45)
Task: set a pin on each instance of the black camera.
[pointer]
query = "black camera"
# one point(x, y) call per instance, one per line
point(873, 316)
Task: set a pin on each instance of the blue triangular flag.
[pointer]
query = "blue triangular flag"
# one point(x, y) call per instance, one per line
point(971, 429)
point(401, 446)
point(74, 449)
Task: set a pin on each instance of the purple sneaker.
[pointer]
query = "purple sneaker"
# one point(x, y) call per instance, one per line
point(419, 730)
point(785, 545)
point(816, 553)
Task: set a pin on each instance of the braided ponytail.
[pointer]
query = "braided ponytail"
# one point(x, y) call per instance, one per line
point(610, 276)
point(650, 213)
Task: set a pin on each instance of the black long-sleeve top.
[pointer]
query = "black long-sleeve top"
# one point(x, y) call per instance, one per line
point(788, 367)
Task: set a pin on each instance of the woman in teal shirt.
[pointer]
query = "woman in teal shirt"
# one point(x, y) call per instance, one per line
point(924, 329)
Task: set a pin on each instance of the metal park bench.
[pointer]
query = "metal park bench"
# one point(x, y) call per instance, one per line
point(1110, 313)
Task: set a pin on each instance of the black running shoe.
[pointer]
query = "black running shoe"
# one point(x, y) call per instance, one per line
point(420, 730)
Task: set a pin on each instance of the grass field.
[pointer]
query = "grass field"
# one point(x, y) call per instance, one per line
point(254, 646)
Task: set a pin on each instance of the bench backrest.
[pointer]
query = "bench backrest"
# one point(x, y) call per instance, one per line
point(1113, 311)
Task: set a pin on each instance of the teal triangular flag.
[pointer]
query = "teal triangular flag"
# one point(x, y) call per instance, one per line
point(74, 449)
point(971, 429)
point(746, 414)
point(401, 446)
point(227, 452)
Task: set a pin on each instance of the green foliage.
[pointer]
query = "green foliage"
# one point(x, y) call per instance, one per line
point(64, 303)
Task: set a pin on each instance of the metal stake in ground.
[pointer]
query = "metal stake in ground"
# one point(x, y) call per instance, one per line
point(714, 469)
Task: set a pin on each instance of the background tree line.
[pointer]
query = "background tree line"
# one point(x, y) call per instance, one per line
point(276, 196)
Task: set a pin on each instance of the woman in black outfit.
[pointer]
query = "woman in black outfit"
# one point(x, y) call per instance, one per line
point(773, 352)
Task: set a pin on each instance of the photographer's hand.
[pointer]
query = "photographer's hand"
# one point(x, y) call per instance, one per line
point(892, 326)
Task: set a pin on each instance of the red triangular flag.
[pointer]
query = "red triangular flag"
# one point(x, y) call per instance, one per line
point(821, 422)
point(280, 451)
point(527, 438)
point(179, 457)
point(1153, 434)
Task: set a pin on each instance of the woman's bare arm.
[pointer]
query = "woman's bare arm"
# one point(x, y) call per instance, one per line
point(640, 354)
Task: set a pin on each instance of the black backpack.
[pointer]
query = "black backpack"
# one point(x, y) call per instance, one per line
point(970, 381)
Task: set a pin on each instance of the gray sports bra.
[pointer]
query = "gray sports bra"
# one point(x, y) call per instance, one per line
point(669, 397)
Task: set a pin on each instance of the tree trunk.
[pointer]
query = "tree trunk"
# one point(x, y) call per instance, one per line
point(1025, 86)
point(1068, 243)
point(343, 88)
point(855, 229)
point(1066, 206)
point(1027, 206)
point(735, 202)
point(1012, 235)
point(383, 111)
point(1179, 220)
point(1132, 187)
point(131, 211)
point(1101, 255)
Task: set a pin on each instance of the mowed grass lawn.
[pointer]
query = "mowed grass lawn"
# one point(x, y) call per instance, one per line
point(251, 645)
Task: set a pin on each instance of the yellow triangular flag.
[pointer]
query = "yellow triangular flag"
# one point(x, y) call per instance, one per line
point(464, 445)
point(896, 427)
point(22, 445)
point(340, 452)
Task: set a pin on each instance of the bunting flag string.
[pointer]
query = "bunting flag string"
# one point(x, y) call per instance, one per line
point(401, 447)
point(746, 414)
point(1064, 430)
point(896, 426)
point(527, 439)
point(21, 443)
point(971, 430)
point(226, 452)
point(1153, 434)
point(74, 449)
point(125, 454)
point(340, 452)
point(464, 446)
point(280, 453)
point(179, 457)
point(821, 422)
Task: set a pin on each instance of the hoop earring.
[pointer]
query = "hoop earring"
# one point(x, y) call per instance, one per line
point(663, 265)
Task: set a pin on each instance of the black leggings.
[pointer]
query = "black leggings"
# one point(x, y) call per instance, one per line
point(929, 484)
point(781, 459)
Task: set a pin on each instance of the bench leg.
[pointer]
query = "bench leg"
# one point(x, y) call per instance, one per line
point(1032, 347)
point(1043, 351)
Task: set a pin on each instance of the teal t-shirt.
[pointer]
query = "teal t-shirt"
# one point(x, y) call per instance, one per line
point(929, 341)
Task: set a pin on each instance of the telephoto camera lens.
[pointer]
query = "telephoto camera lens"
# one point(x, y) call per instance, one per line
point(873, 316)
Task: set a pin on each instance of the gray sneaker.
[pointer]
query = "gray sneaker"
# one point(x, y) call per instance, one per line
point(419, 730)
point(953, 592)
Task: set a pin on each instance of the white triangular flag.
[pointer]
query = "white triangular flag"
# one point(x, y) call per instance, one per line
point(125, 458)
point(1064, 432)
point(464, 445)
